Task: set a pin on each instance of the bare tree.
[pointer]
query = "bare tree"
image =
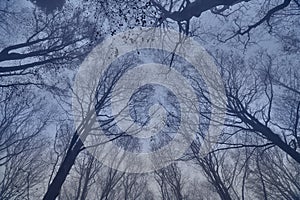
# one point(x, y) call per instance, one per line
point(260, 118)
point(22, 159)
point(83, 177)
point(51, 43)
point(170, 182)
point(181, 12)
point(274, 175)
point(244, 88)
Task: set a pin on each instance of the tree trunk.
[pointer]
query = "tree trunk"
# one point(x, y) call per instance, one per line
point(63, 171)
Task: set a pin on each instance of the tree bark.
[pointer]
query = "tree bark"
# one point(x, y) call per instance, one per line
point(63, 171)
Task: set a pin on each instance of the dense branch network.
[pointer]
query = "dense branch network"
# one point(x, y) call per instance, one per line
point(51, 43)
point(188, 10)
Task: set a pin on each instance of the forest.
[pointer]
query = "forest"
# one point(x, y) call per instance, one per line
point(149, 99)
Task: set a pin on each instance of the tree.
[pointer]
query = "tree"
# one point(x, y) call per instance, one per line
point(183, 11)
point(53, 41)
point(274, 175)
point(259, 120)
point(22, 138)
point(170, 182)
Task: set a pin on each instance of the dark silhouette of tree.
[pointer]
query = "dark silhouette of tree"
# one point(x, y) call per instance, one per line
point(53, 43)
point(49, 7)
point(22, 139)
point(170, 182)
point(183, 11)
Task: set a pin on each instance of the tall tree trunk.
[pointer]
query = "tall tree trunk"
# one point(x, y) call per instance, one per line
point(271, 136)
point(64, 169)
point(87, 180)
